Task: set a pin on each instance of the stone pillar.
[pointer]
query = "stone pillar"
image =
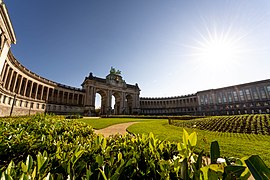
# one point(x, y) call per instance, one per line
point(25, 88)
point(3, 73)
point(109, 102)
point(42, 91)
point(57, 99)
point(9, 83)
point(6, 75)
point(20, 86)
point(30, 93)
point(47, 95)
point(37, 87)
point(15, 82)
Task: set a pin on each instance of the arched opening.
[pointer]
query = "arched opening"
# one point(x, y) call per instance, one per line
point(97, 104)
point(117, 100)
point(100, 103)
point(112, 105)
point(128, 102)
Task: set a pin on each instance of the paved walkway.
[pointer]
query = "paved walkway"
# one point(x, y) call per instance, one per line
point(115, 129)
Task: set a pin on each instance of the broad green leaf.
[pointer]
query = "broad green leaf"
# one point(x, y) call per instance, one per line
point(198, 163)
point(193, 139)
point(99, 160)
point(185, 137)
point(214, 152)
point(204, 174)
point(257, 167)
point(119, 156)
point(184, 169)
point(10, 168)
point(34, 172)
point(23, 177)
point(29, 163)
point(232, 172)
point(24, 167)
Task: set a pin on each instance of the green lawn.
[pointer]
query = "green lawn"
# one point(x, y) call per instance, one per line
point(231, 144)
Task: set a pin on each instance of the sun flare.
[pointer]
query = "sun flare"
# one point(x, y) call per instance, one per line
point(217, 49)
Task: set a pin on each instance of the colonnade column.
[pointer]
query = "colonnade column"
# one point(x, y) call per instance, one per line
point(20, 86)
point(3, 73)
point(25, 88)
point(15, 82)
point(6, 76)
point(9, 83)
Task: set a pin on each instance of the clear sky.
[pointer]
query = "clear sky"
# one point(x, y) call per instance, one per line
point(168, 47)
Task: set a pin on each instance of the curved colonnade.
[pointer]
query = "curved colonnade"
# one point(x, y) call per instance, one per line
point(179, 105)
point(28, 93)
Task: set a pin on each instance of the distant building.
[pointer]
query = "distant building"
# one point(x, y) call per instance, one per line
point(249, 98)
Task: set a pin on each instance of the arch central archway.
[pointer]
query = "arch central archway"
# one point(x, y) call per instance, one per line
point(103, 102)
point(126, 96)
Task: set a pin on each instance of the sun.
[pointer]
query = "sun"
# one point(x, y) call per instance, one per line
point(217, 49)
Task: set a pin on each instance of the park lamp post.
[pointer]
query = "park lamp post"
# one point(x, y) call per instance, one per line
point(13, 103)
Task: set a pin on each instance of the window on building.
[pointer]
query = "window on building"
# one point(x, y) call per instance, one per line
point(230, 97)
point(255, 94)
point(235, 96)
point(26, 104)
point(219, 99)
point(247, 91)
point(224, 98)
point(37, 106)
point(263, 94)
point(268, 89)
point(241, 95)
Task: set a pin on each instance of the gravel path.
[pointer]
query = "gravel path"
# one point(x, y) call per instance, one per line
point(115, 129)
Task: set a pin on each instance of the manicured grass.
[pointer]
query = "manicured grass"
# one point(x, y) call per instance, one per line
point(231, 144)
point(100, 123)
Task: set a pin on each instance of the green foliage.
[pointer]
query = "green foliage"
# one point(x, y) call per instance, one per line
point(257, 167)
point(48, 147)
point(214, 152)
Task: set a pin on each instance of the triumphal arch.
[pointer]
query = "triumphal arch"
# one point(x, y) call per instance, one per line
point(126, 96)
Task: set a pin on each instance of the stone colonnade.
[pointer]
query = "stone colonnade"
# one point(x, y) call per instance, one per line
point(180, 105)
point(29, 93)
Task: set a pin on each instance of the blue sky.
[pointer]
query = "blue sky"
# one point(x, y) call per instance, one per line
point(169, 48)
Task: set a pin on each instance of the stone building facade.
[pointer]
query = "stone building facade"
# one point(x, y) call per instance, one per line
point(249, 98)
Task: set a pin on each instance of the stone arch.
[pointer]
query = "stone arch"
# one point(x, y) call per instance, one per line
point(104, 101)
